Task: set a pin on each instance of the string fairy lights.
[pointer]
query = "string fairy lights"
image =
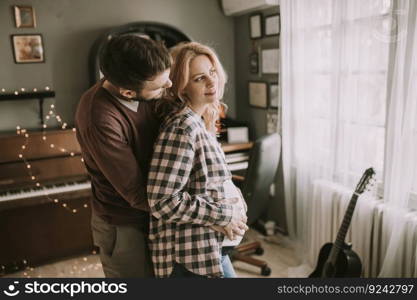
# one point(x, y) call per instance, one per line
point(23, 132)
point(23, 90)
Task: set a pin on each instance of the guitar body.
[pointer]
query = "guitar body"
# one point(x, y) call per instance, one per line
point(348, 263)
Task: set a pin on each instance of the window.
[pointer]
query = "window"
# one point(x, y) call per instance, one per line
point(347, 87)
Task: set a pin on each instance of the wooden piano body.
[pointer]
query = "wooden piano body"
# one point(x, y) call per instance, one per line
point(34, 228)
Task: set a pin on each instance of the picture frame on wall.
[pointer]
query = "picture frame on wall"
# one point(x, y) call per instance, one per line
point(24, 16)
point(274, 95)
point(255, 26)
point(28, 48)
point(254, 63)
point(272, 25)
point(272, 122)
point(270, 61)
point(258, 94)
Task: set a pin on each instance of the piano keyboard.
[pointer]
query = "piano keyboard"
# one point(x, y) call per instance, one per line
point(45, 190)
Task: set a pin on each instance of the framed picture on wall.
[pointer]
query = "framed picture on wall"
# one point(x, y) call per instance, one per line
point(254, 63)
point(258, 94)
point(28, 48)
point(272, 26)
point(273, 95)
point(270, 61)
point(272, 122)
point(24, 16)
point(255, 26)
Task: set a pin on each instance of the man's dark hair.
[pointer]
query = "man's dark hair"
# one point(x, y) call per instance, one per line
point(127, 61)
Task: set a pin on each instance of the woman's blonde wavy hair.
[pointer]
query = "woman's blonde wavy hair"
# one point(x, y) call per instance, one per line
point(175, 100)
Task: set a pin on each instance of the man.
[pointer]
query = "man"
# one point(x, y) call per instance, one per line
point(116, 128)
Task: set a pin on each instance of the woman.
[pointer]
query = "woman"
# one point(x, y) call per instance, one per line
point(188, 177)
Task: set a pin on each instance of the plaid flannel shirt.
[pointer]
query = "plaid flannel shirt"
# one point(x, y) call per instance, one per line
point(185, 187)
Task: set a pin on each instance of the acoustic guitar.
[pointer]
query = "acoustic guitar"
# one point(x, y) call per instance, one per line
point(338, 259)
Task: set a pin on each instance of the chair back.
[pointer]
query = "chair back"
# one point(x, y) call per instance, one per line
point(263, 164)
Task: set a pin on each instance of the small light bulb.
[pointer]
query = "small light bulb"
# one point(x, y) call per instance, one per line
point(23, 147)
point(74, 129)
point(44, 125)
point(22, 89)
point(16, 93)
point(64, 205)
point(52, 106)
point(56, 200)
point(38, 184)
point(52, 145)
point(20, 155)
point(26, 135)
point(28, 166)
point(18, 127)
point(51, 112)
point(74, 211)
point(72, 154)
point(35, 89)
point(47, 117)
point(85, 205)
point(33, 177)
point(3, 90)
point(47, 88)
point(44, 138)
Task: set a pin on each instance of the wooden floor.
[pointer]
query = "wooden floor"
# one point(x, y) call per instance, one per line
point(279, 255)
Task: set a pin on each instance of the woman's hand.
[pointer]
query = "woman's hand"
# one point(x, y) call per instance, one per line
point(232, 229)
point(219, 229)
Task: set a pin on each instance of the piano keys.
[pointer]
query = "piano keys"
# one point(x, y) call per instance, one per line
point(39, 224)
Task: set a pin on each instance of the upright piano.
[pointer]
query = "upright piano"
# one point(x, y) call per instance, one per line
point(44, 199)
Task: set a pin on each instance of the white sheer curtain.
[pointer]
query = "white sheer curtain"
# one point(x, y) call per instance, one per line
point(401, 154)
point(337, 68)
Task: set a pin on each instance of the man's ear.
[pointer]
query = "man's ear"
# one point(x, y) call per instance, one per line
point(127, 93)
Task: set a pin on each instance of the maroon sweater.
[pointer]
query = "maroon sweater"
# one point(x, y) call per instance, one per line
point(117, 145)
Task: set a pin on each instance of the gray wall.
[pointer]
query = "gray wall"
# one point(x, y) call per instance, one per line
point(256, 117)
point(244, 46)
point(69, 28)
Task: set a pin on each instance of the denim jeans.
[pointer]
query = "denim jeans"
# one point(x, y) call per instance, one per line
point(180, 271)
point(228, 270)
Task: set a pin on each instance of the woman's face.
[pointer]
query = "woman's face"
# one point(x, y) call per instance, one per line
point(202, 87)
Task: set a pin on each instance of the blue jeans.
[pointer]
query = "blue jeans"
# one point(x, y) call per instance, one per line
point(180, 271)
point(228, 270)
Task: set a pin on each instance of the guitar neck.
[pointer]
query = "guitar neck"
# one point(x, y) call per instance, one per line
point(341, 235)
